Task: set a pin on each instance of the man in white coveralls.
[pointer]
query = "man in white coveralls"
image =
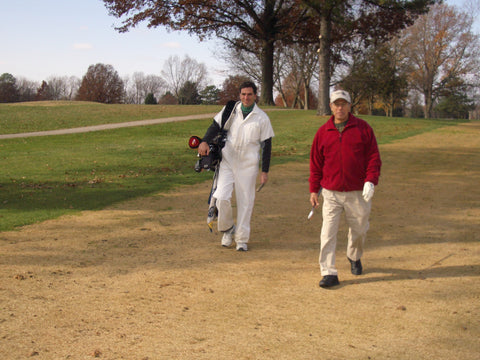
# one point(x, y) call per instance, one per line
point(249, 135)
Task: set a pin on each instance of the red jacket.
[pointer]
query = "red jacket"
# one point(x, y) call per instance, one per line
point(344, 161)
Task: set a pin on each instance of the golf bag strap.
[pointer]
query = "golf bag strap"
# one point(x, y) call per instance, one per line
point(214, 129)
point(227, 112)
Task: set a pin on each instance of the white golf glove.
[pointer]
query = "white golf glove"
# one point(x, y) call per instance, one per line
point(368, 190)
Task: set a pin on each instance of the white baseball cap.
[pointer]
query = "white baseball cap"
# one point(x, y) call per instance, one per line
point(340, 94)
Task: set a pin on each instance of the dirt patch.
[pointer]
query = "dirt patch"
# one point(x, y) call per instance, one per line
point(146, 280)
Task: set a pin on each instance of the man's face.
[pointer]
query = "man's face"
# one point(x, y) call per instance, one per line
point(340, 109)
point(247, 96)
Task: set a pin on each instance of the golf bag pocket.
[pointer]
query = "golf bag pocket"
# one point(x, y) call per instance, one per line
point(208, 162)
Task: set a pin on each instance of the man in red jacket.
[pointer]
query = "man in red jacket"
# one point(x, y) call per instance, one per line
point(344, 167)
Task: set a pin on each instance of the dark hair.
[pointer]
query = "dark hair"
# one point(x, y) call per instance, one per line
point(249, 84)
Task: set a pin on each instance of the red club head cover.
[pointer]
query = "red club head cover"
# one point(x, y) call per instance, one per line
point(194, 142)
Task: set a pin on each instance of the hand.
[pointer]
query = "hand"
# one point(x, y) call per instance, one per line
point(203, 148)
point(368, 190)
point(263, 178)
point(314, 200)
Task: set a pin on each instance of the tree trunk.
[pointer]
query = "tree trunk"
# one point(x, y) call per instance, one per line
point(428, 103)
point(282, 94)
point(392, 104)
point(370, 105)
point(306, 90)
point(324, 63)
point(266, 95)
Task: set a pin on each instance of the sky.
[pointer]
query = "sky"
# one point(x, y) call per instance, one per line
point(44, 38)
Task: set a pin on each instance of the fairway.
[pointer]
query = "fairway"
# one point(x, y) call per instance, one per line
point(44, 177)
point(144, 279)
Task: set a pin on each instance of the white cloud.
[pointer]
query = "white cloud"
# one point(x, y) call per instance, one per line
point(82, 46)
point(172, 45)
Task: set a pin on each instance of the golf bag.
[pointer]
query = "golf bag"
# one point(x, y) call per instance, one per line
point(212, 160)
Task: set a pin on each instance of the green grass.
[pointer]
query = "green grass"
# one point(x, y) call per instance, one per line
point(45, 177)
point(53, 115)
point(295, 131)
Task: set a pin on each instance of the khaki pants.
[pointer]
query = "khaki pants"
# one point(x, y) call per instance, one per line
point(357, 212)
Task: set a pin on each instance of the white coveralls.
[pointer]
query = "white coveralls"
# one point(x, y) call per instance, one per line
point(239, 168)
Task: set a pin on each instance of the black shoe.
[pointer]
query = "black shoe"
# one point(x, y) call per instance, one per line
point(356, 267)
point(328, 281)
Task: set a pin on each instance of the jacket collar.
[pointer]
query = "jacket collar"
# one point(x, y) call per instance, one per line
point(352, 121)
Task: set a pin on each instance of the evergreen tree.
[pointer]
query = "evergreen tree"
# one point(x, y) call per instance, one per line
point(150, 99)
point(188, 94)
point(8, 88)
point(43, 92)
point(210, 95)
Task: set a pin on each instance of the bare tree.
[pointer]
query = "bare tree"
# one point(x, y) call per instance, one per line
point(154, 84)
point(72, 87)
point(440, 47)
point(129, 91)
point(27, 89)
point(300, 64)
point(63, 87)
point(244, 63)
point(177, 72)
point(59, 87)
point(139, 85)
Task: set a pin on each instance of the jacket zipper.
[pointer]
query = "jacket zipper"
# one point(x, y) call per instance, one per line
point(341, 158)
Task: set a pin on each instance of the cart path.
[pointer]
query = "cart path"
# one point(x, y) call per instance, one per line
point(85, 129)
